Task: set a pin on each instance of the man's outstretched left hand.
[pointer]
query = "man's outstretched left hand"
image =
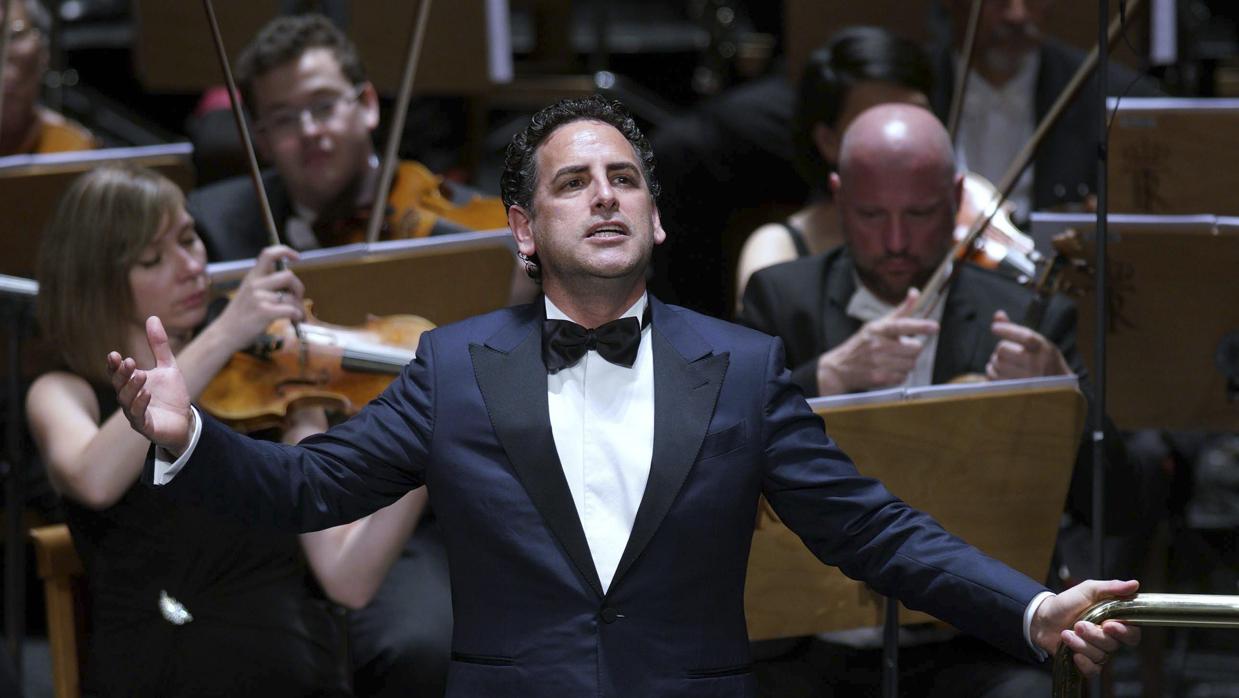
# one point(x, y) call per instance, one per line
point(1055, 622)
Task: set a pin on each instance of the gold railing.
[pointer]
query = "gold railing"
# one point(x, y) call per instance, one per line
point(1180, 610)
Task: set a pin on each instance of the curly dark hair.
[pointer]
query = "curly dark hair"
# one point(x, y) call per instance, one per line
point(284, 39)
point(850, 56)
point(520, 167)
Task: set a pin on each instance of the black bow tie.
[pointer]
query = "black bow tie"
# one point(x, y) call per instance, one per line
point(564, 342)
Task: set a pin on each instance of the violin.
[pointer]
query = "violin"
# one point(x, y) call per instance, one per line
point(420, 202)
point(1001, 245)
point(339, 368)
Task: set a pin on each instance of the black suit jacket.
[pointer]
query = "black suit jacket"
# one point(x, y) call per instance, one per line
point(229, 218)
point(804, 302)
point(1065, 165)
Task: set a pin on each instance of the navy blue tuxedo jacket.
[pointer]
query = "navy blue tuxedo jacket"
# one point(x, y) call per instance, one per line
point(468, 417)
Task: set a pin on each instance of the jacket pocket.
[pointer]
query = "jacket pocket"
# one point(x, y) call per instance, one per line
point(720, 672)
point(724, 441)
point(483, 659)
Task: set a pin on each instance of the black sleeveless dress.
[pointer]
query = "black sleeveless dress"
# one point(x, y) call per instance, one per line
point(183, 603)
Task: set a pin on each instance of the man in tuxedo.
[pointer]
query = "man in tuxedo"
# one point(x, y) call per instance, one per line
point(314, 112)
point(599, 486)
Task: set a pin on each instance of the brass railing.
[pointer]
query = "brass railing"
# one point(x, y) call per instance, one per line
point(1179, 610)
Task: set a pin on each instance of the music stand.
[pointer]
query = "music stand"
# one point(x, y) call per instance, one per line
point(991, 462)
point(1160, 147)
point(467, 47)
point(31, 187)
point(1173, 312)
point(444, 278)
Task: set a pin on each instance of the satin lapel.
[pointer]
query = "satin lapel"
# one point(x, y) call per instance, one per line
point(960, 337)
point(687, 379)
point(513, 384)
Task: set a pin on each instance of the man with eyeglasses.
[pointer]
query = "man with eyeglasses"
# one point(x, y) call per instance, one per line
point(26, 126)
point(314, 110)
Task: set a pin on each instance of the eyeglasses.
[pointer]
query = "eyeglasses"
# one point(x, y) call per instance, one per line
point(288, 121)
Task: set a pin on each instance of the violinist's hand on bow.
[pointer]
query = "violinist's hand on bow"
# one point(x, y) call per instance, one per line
point(881, 354)
point(1055, 622)
point(1022, 353)
point(155, 401)
point(265, 295)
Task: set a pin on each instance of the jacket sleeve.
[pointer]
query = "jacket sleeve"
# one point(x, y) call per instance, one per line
point(853, 522)
point(354, 468)
point(761, 311)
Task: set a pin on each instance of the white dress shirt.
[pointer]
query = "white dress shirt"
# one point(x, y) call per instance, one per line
point(602, 418)
point(995, 123)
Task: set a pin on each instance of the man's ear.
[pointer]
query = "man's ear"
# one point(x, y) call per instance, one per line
point(836, 184)
point(521, 224)
point(660, 235)
point(369, 102)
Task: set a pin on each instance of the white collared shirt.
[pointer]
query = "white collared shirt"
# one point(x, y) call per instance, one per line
point(602, 418)
point(995, 123)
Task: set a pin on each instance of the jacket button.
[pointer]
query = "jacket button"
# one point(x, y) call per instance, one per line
point(610, 615)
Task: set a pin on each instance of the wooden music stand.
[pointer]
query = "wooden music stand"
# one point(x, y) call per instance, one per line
point(467, 50)
point(1173, 302)
point(809, 23)
point(1161, 147)
point(443, 279)
point(31, 186)
point(991, 463)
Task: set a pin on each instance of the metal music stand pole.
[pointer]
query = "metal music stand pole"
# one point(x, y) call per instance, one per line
point(890, 649)
point(1102, 322)
point(15, 298)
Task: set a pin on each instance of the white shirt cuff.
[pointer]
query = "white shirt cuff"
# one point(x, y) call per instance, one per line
point(165, 471)
point(1028, 618)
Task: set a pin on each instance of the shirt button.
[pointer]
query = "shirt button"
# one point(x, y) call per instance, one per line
point(610, 615)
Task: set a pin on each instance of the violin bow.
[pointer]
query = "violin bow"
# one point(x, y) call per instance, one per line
point(238, 116)
point(4, 52)
point(234, 98)
point(396, 127)
point(964, 67)
point(934, 288)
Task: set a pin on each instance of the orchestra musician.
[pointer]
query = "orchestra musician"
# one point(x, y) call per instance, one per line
point(599, 487)
point(844, 316)
point(26, 126)
point(1017, 73)
point(314, 112)
point(182, 603)
point(854, 70)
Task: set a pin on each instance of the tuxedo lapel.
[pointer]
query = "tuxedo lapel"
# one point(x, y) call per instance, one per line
point(687, 379)
point(837, 290)
point(512, 378)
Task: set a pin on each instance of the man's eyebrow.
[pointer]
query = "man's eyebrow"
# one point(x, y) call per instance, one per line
point(570, 169)
point(611, 167)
